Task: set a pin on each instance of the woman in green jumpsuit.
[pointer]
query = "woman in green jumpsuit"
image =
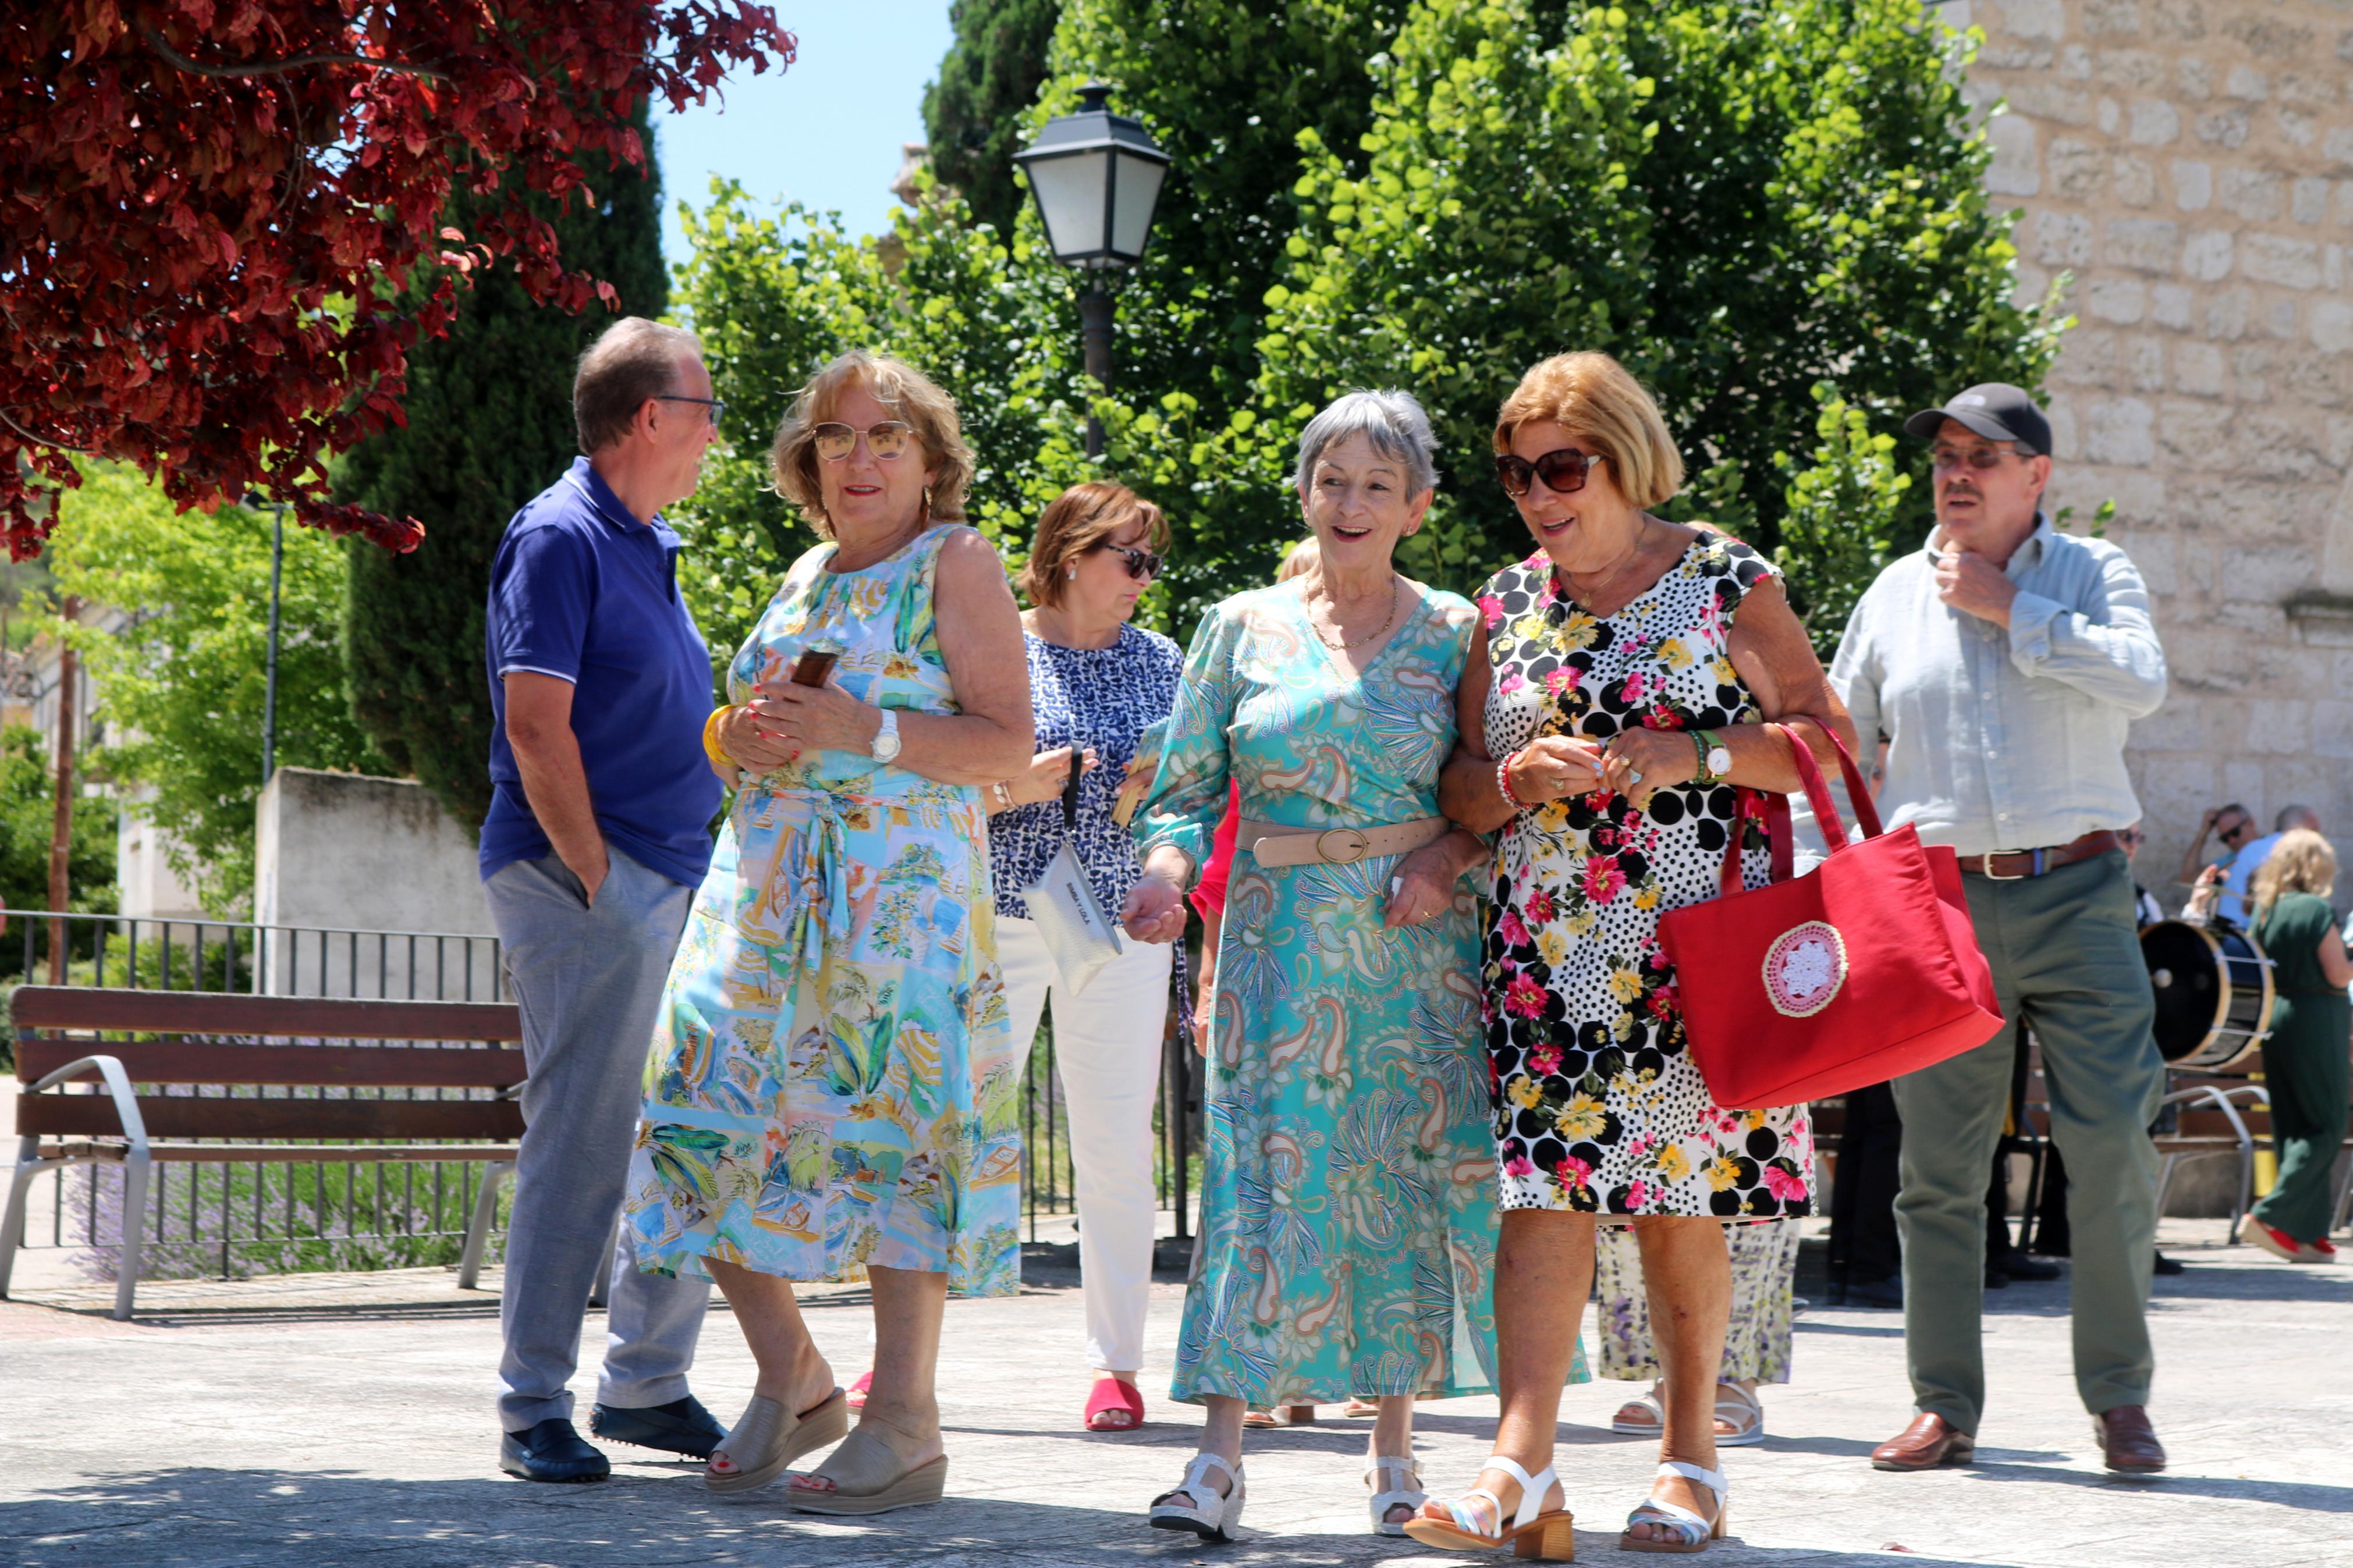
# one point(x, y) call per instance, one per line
point(2306, 1061)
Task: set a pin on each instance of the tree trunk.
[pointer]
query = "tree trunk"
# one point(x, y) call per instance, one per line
point(61, 819)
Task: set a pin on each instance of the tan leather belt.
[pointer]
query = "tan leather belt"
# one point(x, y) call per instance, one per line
point(2035, 862)
point(1274, 845)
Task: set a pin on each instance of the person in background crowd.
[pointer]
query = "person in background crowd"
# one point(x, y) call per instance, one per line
point(597, 830)
point(2002, 665)
point(2236, 870)
point(831, 1093)
point(2146, 910)
point(1757, 1335)
point(1347, 1218)
point(1096, 682)
point(1626, 674)
point(1865, 1259)
point(2306, 1061)
point(2233, 826)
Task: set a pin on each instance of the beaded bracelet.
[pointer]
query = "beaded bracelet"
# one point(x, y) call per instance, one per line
point(1503, 783)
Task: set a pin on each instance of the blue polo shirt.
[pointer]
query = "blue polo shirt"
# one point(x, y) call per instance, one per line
point(585, 592)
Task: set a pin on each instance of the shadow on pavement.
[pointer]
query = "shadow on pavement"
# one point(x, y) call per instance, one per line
point(283, 1518)
point(2301, 1495)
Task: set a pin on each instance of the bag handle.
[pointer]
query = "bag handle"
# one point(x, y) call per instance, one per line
point(1774, 808)
point(1071, 792)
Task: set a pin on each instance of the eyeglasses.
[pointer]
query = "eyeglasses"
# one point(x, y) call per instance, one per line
point(2236, 831)
point(1563, 470)
point(1142, 564)
point(710, 404)
point(835, 440)
point(1984, 460)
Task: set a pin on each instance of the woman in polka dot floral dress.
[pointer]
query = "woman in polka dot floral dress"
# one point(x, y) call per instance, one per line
point(1609, 716)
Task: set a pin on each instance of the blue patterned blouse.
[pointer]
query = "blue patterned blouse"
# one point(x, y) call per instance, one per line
point(1099, 697)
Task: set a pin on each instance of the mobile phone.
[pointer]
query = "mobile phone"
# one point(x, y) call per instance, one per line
point(812, 667)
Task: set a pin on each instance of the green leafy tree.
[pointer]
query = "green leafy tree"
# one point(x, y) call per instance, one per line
point(28, 799)
point(180, 685)
point(489, 426)
point(974, 113)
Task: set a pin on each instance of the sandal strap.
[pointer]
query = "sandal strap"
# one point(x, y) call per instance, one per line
point(1712, 1479)
point(1469, 1521)
point(1652, 1510)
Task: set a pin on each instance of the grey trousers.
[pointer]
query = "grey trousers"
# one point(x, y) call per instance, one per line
point(2067, 960)
point(588, 982)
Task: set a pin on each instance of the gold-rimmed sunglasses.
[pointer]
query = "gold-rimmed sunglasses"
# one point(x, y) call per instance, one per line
point(835, 441)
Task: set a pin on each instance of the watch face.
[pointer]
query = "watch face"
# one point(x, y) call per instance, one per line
point(1719, 761)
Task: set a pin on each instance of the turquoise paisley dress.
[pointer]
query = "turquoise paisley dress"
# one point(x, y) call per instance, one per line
point(1347, 1205)
point(832, 1083)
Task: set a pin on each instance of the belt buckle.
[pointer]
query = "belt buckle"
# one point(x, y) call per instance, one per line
point(1991, 875)
point(1324, 851)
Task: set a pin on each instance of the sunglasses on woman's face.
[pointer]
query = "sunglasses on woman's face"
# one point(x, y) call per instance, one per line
point(1142, 564)
point(1563, 470)
point(835, 440)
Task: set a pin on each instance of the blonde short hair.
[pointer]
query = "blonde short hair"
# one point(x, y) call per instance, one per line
point(1076, 522)
point(1593, 397)
point(1298, 559)
point(2301, 862)
point(909, 395)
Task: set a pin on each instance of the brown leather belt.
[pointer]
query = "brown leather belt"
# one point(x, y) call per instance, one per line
point(1274, 845)
point(2026, 863)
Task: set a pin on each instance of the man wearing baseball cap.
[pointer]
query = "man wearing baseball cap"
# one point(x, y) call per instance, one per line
point(1999, 668)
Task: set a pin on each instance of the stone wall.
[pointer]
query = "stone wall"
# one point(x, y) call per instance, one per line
point(2190, 163)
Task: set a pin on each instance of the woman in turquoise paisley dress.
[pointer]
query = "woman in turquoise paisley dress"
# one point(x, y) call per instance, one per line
point(1347, 1205)
point(830, 1092)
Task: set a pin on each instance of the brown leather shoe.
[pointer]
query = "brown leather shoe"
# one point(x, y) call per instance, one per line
point(2129, 1442)
point(1928, 1442)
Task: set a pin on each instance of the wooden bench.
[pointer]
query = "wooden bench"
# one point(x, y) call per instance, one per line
point(130, 1040)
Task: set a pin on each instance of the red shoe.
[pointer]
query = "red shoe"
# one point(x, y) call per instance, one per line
point(2253, 1232)
point(1115, 1406)
point(858, 1390)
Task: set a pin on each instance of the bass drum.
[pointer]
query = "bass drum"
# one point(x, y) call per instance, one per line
point(2214, 986)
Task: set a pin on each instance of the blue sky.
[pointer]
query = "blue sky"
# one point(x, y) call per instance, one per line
point(827, 132)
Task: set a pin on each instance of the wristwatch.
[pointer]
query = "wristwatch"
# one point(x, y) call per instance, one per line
point(1714, 757)
point(886, 740)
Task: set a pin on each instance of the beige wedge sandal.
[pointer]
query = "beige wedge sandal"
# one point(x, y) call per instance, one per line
point(767, 1438)
point(869, 1477)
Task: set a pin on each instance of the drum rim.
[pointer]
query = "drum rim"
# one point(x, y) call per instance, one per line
point(2223, 994)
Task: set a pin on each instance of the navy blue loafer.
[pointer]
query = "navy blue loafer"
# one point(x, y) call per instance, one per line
point(551, 1451)
point(681, 1426)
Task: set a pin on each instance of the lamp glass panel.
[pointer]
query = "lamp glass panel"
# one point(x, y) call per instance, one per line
point(1138, 192)
point(1070, 199)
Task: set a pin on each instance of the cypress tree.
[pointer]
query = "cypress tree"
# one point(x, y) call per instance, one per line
point(988, 78)
point(490, 425)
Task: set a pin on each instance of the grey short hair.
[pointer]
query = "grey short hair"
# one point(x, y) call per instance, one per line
point(631, 361)
point(1392, 421)
point(2294, 816)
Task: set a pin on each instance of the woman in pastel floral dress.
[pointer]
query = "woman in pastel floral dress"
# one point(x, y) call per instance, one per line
point(1616, 701)
point(1346, 1211)
point(830, 1093)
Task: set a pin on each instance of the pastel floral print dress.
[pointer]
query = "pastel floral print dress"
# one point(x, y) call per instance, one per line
point(1598, 1106)
point(831, 1081)
point(1346, 1211)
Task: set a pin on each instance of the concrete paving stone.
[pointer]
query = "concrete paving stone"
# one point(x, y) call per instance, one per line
point(314, 1421)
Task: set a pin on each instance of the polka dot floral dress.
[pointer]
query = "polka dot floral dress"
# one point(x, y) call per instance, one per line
point(1598, 1106)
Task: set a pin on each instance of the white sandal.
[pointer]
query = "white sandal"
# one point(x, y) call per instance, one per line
point(1654, 1427)
point(1195, 1504)
point(1739, 1409)
point(1550, 1536)
point(1692, 1531)
point(1410, 1494)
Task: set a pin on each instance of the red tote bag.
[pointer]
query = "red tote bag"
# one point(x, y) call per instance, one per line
point(1864, 968)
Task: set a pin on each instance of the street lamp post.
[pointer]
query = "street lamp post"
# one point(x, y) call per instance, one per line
point(269, 679)
point(1097, 178)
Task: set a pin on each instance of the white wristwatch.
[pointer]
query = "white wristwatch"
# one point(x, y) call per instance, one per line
point(1719, 760)
point(886, 740)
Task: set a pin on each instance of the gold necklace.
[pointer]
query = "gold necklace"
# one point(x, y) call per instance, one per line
point(1343, 646)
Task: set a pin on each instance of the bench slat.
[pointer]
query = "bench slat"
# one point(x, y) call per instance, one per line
point(164, 1061)
point(89, 1008)
point(65, 1115)
point(285, 1153)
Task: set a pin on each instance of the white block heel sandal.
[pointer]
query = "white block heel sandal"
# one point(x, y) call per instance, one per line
point(1692, 1531)
point(1195, 1505)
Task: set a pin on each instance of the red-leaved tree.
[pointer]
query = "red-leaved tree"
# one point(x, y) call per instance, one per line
point(210, 210)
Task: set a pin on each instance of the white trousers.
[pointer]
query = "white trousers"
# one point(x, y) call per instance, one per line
point(1107, 1050)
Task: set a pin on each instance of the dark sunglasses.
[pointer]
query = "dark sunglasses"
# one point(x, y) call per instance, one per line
point(1563, 470)
point(2236, 830)
point(1142, 564)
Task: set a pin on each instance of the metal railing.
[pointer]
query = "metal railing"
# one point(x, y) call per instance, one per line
point(233, 1219)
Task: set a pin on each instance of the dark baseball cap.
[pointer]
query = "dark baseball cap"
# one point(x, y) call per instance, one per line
point(1997, 411)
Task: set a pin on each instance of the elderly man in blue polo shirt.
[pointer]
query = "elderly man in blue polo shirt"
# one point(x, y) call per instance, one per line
point(597, 833)
point(2001, 667)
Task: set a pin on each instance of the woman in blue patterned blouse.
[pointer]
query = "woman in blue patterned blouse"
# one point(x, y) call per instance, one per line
point(1096, 683)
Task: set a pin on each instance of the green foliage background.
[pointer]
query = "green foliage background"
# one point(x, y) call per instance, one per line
point(181, 687)
point(1772, 210)
point(972, 113)
point(489, 426)
point(27, 800)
